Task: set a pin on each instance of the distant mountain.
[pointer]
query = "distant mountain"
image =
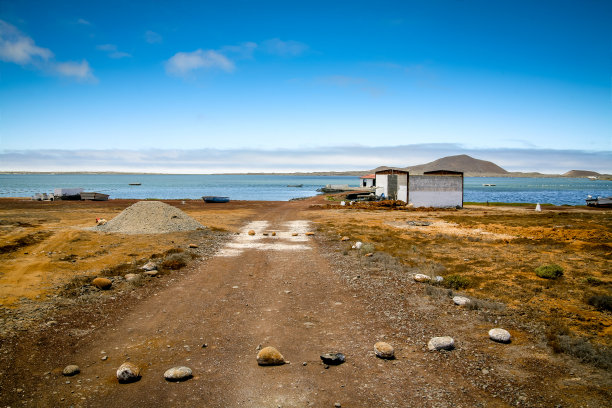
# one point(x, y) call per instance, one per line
point(462, 162)
point(580, 173)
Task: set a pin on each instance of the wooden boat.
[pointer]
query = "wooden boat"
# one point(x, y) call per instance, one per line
point(134, 184)
point(599, 201)
point(215, 199)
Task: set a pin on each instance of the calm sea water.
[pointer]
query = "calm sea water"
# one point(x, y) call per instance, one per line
point(270, 188)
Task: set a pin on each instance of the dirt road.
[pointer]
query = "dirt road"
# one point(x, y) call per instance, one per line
point(286, 291)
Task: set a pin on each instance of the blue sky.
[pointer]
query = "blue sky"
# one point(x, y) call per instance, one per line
point(526, 83)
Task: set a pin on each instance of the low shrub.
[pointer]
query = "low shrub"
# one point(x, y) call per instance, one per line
point(456, 282)
point(175, 261)
point(552, 271)
point(593, 281)
point(367, 248)
point(601, 302)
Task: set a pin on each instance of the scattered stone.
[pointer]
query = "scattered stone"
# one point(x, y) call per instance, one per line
point(441, 343)
point(204, 345)
point(131, 277)
point(178, 374)
point(369, 254)
point(304, 364)
point(102, 283)
point(193, 246)
point(337, 405)
point(358, 245)
point(345, 238)
point(461, 300)
point(251, 232)
point(270, 356)
point(71, 370)
point(274, 234)
point(104, 358)
point(100, 221)
point(419, 277)
point(127, 373)
point(438, 279)
point(333, 358)
point(499, 335)
point(384, 350)
point(149, 266)
point(151, 273)
point(295, 234)
point(309, 233)
point(265, 234)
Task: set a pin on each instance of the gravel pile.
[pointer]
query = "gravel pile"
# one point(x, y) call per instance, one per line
point(150, 217)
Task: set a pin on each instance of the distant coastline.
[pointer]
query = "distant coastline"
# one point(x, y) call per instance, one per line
point(355, 173)
point(470, 167)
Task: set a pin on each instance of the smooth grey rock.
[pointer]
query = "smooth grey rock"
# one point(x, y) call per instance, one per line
point(441, 343)
point(71, 369)
point(154, 272)
point(461, 300)
point(333, 358)
point(178, 374)
point(131, 277)
point(499, 335)
point(128, 372)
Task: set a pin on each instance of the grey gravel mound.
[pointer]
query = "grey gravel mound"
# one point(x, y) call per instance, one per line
point(150, 217)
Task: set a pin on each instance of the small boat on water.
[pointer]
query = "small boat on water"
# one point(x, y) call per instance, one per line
point(295, 185)
point(215, 199)
point(489, 185)
point(134, 184)
point(599, 201)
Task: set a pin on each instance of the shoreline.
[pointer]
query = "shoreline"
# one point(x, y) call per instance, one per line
point(351, 173)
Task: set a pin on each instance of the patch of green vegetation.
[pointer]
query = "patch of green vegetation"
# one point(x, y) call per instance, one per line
point(456, 282)
point(593, 281)
point(601, 302)
point(552, 271)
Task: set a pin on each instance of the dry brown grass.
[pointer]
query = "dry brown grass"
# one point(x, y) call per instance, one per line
point(494, 251)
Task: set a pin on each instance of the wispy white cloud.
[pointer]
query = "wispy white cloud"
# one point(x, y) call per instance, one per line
point(241, 51)
point(284, 48)
point(82, 21)
point(331, 158)
point(18, 48)
point(152, 37)
point(345, 81)
point(78, 70)
point(182, 63)
point(112, 51)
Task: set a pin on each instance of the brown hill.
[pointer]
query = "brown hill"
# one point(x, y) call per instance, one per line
point(580, 173)
point(461, 162)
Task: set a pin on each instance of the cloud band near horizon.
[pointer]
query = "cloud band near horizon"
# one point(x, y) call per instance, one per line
point(336, 158)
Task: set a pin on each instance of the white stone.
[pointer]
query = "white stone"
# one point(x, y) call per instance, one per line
point(149, 266)
point(419, 277)
point(178, 373)
point(461, 300)
point(441, 343)
point(128, 372)
point(131, 277)
point(499, 335)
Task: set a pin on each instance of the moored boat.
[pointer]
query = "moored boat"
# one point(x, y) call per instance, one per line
point(599, 201)
point(215, 199)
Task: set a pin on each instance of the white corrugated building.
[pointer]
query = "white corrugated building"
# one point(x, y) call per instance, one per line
point(438, 189)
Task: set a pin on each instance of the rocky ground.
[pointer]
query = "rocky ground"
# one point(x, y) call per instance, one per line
point(290, 286)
